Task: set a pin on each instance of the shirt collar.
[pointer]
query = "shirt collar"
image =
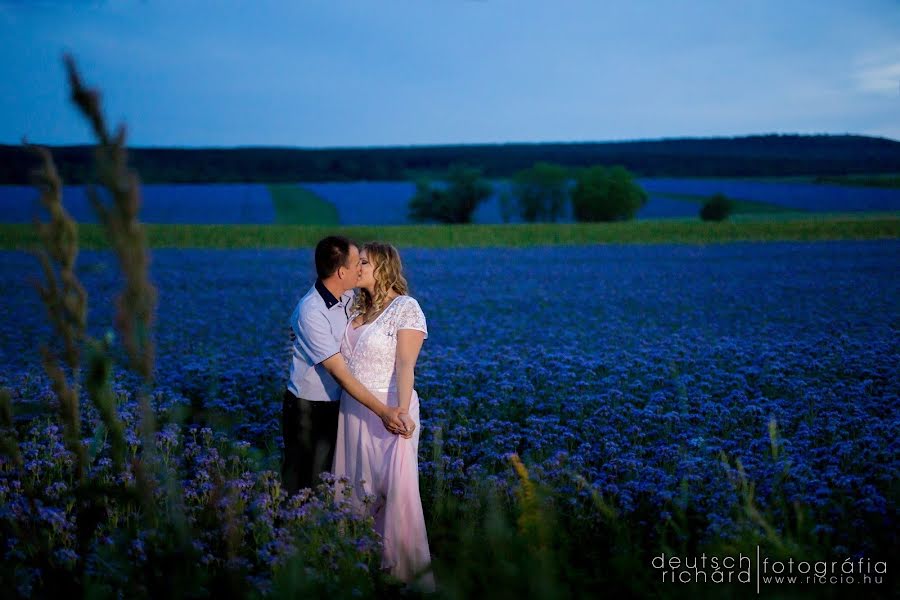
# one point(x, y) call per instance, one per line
point(327, 296)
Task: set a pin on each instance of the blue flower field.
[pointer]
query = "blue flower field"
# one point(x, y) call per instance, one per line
point(659, 396)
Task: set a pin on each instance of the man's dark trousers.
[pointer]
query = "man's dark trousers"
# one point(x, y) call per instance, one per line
point(309, 428)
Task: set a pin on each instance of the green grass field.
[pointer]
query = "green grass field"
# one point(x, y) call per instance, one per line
point(774, 227)
point(297, 206)
point(882, 180)
point(885, 180)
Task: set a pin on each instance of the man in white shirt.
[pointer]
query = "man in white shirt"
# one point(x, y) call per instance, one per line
point(309, 416)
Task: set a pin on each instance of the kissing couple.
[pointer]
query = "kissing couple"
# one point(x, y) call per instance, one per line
point(350, 407)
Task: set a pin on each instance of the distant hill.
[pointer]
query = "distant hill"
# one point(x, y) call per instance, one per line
point(765, 155)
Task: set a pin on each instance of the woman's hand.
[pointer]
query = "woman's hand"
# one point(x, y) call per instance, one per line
point(408, 423)
point(390, 418)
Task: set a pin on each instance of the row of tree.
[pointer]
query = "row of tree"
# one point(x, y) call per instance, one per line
point(543, 193)
point(766, 155)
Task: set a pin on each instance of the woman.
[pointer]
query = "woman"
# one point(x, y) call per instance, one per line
point(381, 344)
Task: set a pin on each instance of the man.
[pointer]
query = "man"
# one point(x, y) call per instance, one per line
point(309, 416)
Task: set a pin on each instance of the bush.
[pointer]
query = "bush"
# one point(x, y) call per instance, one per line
point(717, 208)
point(455, 203)
point(541, 192)
point(603, 194)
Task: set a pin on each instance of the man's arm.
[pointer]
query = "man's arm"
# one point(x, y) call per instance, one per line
point(316, 338)
point(389, 416)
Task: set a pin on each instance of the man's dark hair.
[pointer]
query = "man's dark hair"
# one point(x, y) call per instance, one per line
point(332, 253)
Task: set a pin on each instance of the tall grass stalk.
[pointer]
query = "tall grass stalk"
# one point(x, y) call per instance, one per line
point(132, 530)
point(66, 303)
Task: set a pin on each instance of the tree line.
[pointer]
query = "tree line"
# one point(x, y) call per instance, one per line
point(544, 193)
point(767, 155)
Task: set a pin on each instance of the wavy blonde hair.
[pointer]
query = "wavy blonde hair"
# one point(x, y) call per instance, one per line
point(388, 276)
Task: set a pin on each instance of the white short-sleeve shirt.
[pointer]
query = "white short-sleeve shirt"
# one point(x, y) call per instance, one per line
point(318, 323)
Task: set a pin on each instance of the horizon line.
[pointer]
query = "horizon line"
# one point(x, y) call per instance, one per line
point(463, 144)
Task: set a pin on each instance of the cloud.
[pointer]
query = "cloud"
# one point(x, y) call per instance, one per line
point(879, 78)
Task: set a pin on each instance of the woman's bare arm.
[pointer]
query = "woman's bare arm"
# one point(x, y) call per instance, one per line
point(409, 343)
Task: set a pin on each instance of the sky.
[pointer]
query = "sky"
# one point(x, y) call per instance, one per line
point(341, 73)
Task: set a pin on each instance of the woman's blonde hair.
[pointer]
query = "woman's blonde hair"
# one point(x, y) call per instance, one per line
point(388, 274)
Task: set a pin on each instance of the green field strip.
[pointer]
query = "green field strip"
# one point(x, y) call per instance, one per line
point(295, 205)
point(842, 226)
point(740, 206)
point(879, 180)
point(887, 180)
point(792, 215)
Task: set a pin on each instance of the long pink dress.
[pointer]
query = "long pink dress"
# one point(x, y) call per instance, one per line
point(376, 461)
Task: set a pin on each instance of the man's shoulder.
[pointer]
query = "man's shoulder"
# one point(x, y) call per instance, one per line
point(311, 301)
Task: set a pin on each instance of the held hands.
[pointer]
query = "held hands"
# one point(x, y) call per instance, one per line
point(408, 423)
point(398, 421)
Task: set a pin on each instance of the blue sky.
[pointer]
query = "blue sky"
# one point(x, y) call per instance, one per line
point(321, 73)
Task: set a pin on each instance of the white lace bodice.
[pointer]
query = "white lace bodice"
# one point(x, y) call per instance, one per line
point(371, 360)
